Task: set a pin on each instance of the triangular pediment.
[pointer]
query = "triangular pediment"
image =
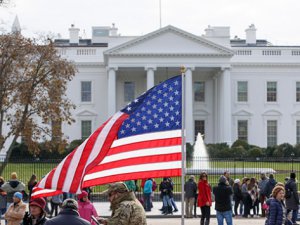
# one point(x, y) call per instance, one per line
point(170, 41)
point(86, 113)
point(242, 113)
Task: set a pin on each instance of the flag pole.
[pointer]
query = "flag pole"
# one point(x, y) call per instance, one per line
point(183, 145)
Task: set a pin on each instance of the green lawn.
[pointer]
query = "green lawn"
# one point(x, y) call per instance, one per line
point(283, 169)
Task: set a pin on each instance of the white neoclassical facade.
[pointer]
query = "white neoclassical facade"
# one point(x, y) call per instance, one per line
point(235, 88)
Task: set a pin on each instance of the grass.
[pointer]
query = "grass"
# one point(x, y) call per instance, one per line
point(283, 169)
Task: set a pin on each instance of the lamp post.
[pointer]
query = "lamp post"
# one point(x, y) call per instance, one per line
point(292, 155)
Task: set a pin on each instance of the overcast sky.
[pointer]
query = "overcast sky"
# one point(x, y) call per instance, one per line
point(278, 21)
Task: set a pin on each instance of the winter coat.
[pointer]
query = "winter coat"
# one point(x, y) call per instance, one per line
point(15, 213)
point(275, 213)
point(12, 187)
point(28, 220)
point(222, 194)
point(148, 186)
point(269, 187)
point(237, 193)
point(57, 199)
point(130, 185)
point(127, 210)
point(165, 188)
point(204, 195)
point(262, 185)
point(87, 210)
point(190, 189)
point(292, 202)
point(67, 216)
point(253, 194)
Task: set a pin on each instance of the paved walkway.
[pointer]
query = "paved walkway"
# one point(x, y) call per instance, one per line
point(196, 221)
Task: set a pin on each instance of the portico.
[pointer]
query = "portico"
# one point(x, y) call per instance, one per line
point(152, 58)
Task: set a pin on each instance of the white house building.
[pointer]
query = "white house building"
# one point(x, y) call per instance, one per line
point(236, 88)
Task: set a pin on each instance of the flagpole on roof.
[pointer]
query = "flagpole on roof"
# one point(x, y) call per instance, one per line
point(183, 145)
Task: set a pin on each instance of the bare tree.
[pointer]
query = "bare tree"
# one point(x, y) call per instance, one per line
point(33, 93)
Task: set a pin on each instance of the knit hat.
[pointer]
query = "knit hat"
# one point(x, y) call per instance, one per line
point(70, 203)
point(82, 195)
point(192, 177)
point(18, 195)
point(237, 181)
point(40, 202)
point(222, 180)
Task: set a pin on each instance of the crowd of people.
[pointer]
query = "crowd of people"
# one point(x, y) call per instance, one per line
point(278, 202)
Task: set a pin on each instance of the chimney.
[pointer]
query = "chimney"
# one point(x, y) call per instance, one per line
point(74, 34)
point(209, 31)
point(113, 30)
point(251, 35)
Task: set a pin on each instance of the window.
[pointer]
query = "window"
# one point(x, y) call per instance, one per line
point(199, 91)
point(243, 130)
point(271, 133)
point(86, 128)
point(297, 91)
point(242, 95)
point(271, 91)
point(129, 89)
point(199, 127)
point(298, 132)
point(86, 91)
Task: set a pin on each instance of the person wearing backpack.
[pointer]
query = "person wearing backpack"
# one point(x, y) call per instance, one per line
point(292, 198)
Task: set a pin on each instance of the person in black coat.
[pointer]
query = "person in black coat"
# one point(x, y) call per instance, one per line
point(68, 215)
point(292, 200)
point(223, 194)
point(276, 208)
point(237, 195)
point(269, 186)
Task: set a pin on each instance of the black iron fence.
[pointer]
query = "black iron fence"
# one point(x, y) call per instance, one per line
point(237, 167)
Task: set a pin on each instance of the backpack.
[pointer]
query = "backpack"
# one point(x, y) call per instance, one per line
point(288, 191)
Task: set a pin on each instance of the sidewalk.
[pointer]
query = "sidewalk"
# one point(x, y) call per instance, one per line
point(196, 221)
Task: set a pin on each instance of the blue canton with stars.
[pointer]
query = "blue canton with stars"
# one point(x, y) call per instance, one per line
point(158, 109)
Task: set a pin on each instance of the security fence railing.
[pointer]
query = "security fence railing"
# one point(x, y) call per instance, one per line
point(237, 167)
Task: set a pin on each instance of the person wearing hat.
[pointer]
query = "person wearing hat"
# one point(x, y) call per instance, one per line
point(16, 211)
point(68, 215)
point(12, 186)
point(126, 209)
point(223, 194)
point(37, 214)
point(86, 209)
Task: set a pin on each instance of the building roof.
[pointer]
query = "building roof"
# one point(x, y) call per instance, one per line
point(82, 43)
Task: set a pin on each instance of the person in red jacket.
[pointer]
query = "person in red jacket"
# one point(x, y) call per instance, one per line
point(204, 198)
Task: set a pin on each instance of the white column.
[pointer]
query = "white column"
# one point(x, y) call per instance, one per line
point(150, 76)
point(189, 117)
point(111, 72)
point(216, 109)
point(225, 109)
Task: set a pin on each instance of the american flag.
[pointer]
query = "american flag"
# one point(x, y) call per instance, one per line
point(140, 141)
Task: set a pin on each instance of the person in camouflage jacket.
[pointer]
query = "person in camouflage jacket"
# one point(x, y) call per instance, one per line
point(126, 209)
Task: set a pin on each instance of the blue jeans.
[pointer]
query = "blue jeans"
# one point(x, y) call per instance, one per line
point(294, 214)
point(147, 201)
point(167, 201)
point(227, 215)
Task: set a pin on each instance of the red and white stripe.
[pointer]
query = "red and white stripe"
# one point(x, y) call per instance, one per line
point(69, 174)
point(141, 156)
